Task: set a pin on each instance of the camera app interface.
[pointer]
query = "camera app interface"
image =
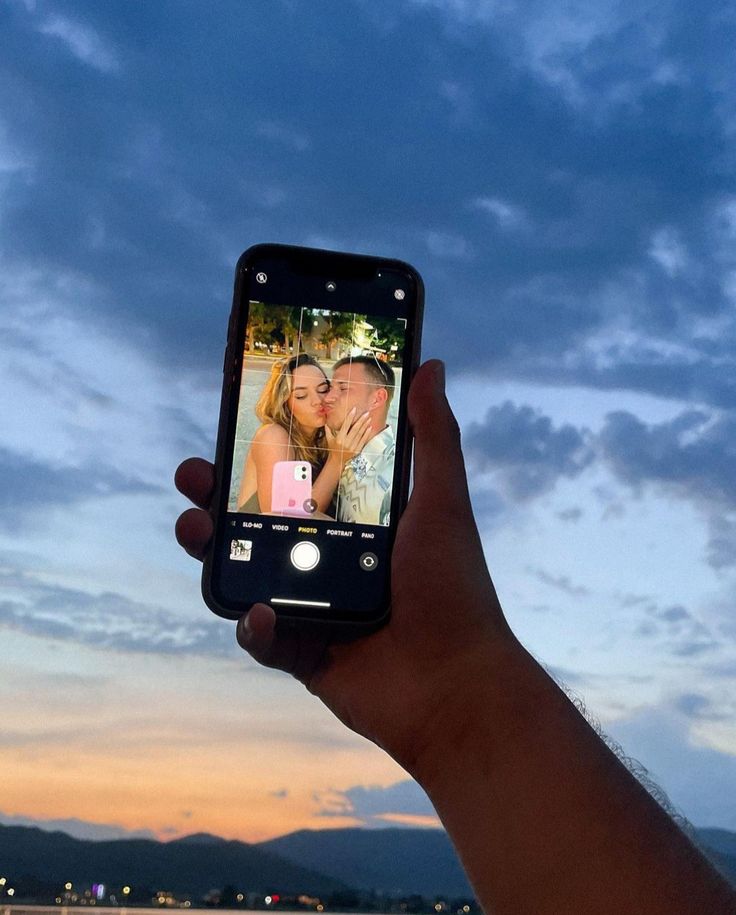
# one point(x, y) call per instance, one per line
point(316, 429)
point(314, 453)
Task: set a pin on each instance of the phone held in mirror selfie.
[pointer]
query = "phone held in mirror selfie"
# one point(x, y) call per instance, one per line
point(313, 447)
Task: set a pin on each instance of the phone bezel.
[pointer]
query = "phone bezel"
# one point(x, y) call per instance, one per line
point(345, 266)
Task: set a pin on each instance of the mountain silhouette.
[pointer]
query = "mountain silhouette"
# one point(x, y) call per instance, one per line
point(193, 865)
point(392, 861)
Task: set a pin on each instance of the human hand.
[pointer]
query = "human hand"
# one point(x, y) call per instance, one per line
point(349, 440)
point(399, 686)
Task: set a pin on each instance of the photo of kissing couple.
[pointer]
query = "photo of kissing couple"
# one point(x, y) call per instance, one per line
point(325, 439)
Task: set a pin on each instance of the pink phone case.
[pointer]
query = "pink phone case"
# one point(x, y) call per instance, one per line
point(291, 489)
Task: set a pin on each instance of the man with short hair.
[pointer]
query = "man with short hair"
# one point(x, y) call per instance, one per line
point(366, 385)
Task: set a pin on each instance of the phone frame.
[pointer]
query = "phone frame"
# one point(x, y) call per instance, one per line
point(341, 263)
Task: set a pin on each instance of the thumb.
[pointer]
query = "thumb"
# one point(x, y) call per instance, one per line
point(439, 468)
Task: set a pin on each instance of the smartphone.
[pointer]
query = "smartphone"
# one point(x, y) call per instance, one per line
point(321, 349)
point(291, 489)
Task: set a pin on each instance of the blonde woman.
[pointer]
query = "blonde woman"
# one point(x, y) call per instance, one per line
point(292, 412)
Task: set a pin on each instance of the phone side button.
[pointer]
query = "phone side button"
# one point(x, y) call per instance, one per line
point(305, 556)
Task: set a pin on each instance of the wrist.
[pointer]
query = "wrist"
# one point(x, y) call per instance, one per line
point(493, 700)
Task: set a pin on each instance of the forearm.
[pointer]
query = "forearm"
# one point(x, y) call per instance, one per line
point(544, 816)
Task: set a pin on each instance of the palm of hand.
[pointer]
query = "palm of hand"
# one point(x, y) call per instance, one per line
point(384, 685)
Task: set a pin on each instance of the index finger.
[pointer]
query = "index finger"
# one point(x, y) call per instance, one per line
point(195, 479)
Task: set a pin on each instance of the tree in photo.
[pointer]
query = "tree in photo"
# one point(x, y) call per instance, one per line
point(389, 336)
point(287, 326)
point(261, 323)
point(338, 327)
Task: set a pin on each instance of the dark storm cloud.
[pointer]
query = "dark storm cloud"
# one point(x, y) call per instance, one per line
point(108, 620)
point(695, 451)
point(27, 485)
point(525, 450)
point(693, 456)
point(152, 142)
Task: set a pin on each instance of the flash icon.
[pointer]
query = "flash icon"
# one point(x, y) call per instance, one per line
point(261, 277)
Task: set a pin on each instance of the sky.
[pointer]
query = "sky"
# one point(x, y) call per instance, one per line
point(564, 178)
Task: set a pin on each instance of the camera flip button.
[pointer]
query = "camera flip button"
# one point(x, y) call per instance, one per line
point(305, 556)
point(368, 562)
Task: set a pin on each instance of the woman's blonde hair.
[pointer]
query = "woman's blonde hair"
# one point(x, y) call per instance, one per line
point(273, 407)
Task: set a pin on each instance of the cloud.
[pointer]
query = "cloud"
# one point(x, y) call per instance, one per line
point(678, 629)
point(560, 583)
point(27, 485)
point(87, 414)
point(698, 707)
point(106, 620)
point(82, 41)
point(524, 450)
point(78, 829)
point(401, 804)
point(488, 505)
point(282, 134)
point(692, 456)
point(693, 452)
point(697, 777)
point(448, 245)
point(508, 215)
point(550, 136)
point(570, 514)
point(668, 252)
point(722, 540)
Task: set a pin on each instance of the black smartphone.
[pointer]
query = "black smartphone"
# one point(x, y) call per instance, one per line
point(313, 448)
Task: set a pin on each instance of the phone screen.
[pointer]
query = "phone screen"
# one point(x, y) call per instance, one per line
point(313, 448)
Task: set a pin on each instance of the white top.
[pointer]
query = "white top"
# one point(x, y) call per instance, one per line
point(364, 490)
